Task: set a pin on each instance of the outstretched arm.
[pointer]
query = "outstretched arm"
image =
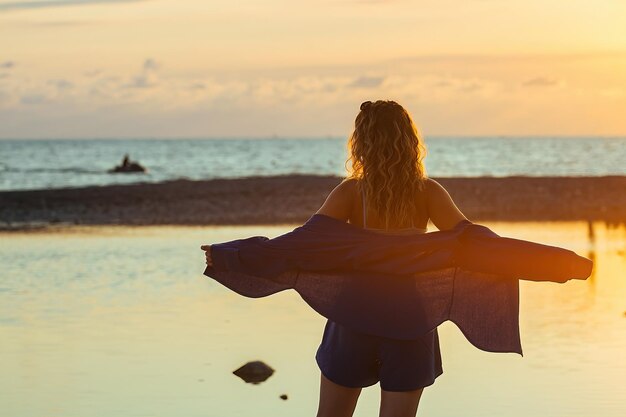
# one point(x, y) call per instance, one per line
point(338, 205)
point(441, 209)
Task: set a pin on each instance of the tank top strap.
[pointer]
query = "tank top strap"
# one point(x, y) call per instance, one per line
point(364, 208)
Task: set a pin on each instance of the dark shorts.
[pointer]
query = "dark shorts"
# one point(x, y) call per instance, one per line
point(354, 359)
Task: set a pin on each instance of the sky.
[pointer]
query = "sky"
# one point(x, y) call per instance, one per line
point(218, 68)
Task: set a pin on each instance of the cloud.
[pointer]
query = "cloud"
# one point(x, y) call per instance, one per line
point(61, 84)
point(197, 86)
point(7, 6)
point(58, 23)
point(147, 78)
point(92, 73)
point(540, 82)
point(34, 99)
point(142, 81)
point(470, 88)
point(104, 88)
point(448, 97)
point(7, 64)
point(442, 84)
point(367, 82)
point(150, 65)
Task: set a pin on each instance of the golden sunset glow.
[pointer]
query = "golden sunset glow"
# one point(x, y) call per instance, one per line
point(142, 332)
point(195, 68)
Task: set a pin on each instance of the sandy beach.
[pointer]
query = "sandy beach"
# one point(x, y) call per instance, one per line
point(293, 198)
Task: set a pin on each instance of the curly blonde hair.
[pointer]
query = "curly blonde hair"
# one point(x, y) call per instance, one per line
point(386, 153)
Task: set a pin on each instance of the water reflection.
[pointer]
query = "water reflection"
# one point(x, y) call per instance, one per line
point(109, 322)
point(591, 234)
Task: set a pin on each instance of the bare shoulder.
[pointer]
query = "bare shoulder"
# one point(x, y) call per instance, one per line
point(433, 187)
point(338, 204)
point(442, 210)
point(346, 189)
point(349, 185)
point(435, 191)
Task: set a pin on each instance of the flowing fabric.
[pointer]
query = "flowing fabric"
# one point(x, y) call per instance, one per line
point(399, 286)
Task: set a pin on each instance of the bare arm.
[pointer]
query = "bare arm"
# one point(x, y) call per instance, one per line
point(338, 204)
point(441, 209)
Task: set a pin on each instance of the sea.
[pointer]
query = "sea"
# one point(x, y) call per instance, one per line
point(59, 163)
point(108, 321)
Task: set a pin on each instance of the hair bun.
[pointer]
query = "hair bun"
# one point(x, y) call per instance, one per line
point(365, 104)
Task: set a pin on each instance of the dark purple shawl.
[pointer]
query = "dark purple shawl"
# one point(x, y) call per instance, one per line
point(399, 286)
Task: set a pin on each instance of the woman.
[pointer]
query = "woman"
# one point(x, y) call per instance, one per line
point(386, 191)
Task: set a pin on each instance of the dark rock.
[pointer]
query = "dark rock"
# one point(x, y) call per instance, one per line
point(283, 397)
point(127, 166)
point(254, 372)
point(133, 167)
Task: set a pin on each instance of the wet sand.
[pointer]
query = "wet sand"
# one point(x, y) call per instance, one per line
point(293, 198)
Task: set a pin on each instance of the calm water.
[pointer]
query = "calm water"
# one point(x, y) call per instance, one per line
point(121, 322)
point(32, 164)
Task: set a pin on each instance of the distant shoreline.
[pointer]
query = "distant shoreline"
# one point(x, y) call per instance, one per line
point(294, 198)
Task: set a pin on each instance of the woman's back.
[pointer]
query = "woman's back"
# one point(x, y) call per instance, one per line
point(345, 203)
point(368, 219)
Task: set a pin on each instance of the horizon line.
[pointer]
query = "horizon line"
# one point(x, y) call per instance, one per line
point(318, 137)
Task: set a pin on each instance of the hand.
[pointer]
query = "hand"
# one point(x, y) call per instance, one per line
point(207, 255)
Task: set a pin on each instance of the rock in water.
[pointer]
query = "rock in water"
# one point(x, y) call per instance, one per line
point(254, 372)
point(127, 166)
point(283, 397)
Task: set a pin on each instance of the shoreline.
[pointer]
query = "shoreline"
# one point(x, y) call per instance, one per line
point(292, 199)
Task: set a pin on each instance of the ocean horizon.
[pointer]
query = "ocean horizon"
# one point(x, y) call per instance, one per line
point(27, 164)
